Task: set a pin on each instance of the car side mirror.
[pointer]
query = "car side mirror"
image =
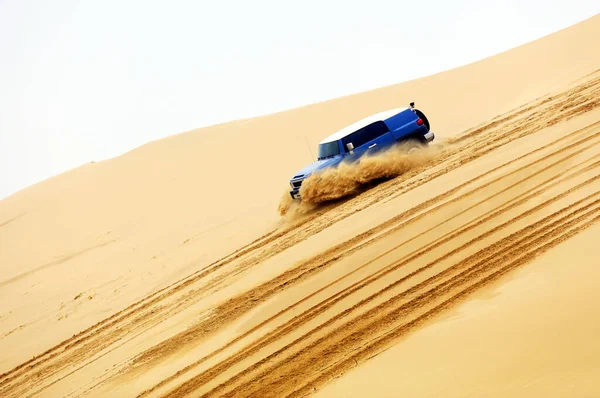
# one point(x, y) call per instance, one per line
point(350, 147)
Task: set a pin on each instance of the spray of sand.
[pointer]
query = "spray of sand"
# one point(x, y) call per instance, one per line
point(293, 210)
point(351, 178)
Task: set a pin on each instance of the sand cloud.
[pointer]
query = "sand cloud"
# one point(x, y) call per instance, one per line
point(351, 178)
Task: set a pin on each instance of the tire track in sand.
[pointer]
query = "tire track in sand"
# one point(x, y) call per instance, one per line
point(282, 372)
point(589, 169)
point(528, 194)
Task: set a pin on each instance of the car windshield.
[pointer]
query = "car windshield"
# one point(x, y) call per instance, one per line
point(328, 150)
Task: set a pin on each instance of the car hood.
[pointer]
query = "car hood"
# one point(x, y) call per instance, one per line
point(318, 165)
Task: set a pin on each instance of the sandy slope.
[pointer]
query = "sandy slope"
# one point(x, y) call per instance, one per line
point(534, 335)
point(116, 275)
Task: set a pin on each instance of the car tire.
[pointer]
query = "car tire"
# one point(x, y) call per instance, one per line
point(414, 151)
point(414, 147)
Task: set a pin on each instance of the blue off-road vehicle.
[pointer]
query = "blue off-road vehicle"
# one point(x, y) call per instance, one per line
point(407, 126)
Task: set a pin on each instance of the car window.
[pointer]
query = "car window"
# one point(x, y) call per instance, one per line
point(365, 134)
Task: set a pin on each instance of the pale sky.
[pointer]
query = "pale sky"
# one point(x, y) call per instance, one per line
point(83, 81)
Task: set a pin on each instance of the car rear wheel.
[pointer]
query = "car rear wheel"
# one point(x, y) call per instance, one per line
point(414, 151)
point(413, 147)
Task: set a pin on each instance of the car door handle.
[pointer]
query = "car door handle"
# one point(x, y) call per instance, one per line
point(372, 146)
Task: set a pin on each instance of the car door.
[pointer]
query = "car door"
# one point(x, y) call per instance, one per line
point(380, 143)
point(358, 140)
point(377, 137)
point(369, 139)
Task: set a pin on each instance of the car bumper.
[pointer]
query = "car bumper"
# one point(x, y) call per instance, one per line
point(295, 193)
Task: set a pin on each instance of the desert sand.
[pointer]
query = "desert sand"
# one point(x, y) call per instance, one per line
point(470, 272)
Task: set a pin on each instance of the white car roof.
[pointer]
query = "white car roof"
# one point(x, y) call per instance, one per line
point(362, 123)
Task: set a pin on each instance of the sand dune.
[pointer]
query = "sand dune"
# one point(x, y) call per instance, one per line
point(167, 272)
